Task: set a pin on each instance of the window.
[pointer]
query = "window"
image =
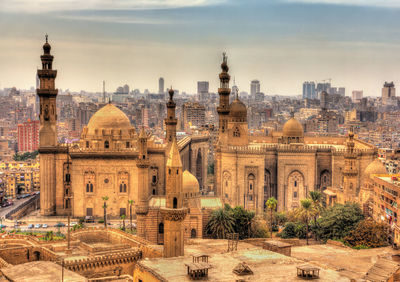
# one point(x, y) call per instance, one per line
point(236, 133)
point(295, 183)
point(250, 197)
point(128, 144)
point(295, 194)
point(89, 187)
point(89, 211)
point(106, 145)
point(175, 203)
point(154, 191)
point(122, 211)
point(87, 144)
point(67, 177)
point(161, 228)
point(154, 179)
point(122, 187)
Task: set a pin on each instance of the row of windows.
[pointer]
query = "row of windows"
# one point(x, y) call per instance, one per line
point(107, 144)
point(122, 187)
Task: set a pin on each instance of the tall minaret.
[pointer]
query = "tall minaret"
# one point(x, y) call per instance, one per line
point(142, 163)
point(174, 212)
point(47, 95)
point(350, 171)
point(223, 108)
point(47, 132)
point(170, 120)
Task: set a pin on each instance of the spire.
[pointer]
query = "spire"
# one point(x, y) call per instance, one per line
point(171, 94)
point(174, 159)
point(47, 38)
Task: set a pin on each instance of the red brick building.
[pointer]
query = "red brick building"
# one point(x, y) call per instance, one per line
point(28, 136)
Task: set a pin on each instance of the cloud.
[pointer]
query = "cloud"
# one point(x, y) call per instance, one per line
point(373, 3)
point(40, 6)
point(118, 19)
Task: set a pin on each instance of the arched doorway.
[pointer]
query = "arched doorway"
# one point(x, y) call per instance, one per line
point(193, 233)
point(325, 180)
point(36, 255)
point(199, 168)
point(295, 190)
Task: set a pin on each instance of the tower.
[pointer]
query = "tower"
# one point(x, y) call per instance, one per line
point(174, 212)
point(47, 131)
point(161, 85)
point(223, 107)
point(170, 120)
point(350, 171)
point(142, 164)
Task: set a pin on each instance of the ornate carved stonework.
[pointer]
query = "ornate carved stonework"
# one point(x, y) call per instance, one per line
point(174, 214)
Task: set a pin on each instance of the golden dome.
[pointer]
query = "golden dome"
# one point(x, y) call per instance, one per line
point(375, 167)
point(190, 183)
point(237, 109)
point(108, 117)
point(292, 128)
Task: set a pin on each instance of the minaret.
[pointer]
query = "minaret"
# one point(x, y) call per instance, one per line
point(223, 108)
point(350, 171)
point(174, 212)
point(142, 164)
point(47, 132)
point(47, 95)
point(170, 120)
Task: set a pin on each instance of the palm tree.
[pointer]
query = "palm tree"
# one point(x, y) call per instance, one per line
point(316, 198)
point(123, 221)
point(105, 199)
point(130, 212)
point(221, 223)
point(271, 204)
point(305, 212)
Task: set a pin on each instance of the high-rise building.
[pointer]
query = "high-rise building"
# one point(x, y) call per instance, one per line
point(356, 96)
point(28, 136)
point(161, 85)
point(193, 114)
point(254, 87)
point(202, 90)
point(323, 87)
point(309, 90)
point(388, 93)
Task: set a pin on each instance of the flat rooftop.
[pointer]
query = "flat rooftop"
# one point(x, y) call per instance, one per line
point(266, 265)
point(353, 264)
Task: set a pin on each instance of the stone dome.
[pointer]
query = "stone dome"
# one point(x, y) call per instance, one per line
point(293, 128)
point(108, 117)
point(190, 183)
point(375, 167)
point(237, 109)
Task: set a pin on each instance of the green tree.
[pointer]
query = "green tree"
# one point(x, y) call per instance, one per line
point(280, 218)
point(130, 212)
point(105, 199)
point(338, 221)
point(123, 221)
point(368, 234)
point(271, 205)
point(221, 223)
point(305, 212)
point(243, 219)
point(317, 206)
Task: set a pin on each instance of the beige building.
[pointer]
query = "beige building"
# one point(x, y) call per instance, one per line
point(285, 165)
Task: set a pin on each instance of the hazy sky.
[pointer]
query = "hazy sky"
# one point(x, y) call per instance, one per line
point(282, 43)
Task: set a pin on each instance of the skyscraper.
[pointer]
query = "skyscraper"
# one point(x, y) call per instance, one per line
point(202, 90)
point(388, 92)
point(254, 87)
point(161, 85)
point(356, 95)
point(28, 136)
point(309, 90)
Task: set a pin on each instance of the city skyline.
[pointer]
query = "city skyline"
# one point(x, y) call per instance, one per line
point(135, 42)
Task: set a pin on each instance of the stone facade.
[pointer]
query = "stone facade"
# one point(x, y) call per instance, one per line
point(286, 165)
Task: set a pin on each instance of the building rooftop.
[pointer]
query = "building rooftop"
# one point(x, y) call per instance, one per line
point(265, 265)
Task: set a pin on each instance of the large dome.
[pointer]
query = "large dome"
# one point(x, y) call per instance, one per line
point(237, 109)
point(375, 167)
point(108, 117)
point(292, 128)
point(190, 183)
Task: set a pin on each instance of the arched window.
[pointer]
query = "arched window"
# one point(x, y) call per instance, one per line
point(87, 144)
point(128, 144)
point(175, 203)
point(106, 145)
point(91, 188)
point(295, 189)
point(67, 177)
point(154, 179)
point(193, 233)
point(251, 181)
point(161, 228)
